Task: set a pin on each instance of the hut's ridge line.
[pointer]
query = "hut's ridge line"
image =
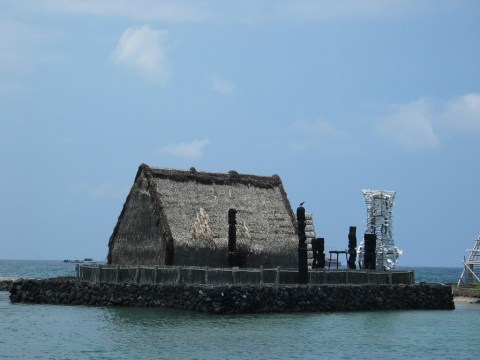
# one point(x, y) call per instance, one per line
point(210, 178)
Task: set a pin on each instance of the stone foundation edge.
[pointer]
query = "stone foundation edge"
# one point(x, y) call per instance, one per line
point(5, 285)
point(234, 299)
point(466, 292)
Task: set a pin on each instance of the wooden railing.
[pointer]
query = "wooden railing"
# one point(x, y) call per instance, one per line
point(177, 275)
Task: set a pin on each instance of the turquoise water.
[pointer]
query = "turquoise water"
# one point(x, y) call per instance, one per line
point(32, 269)
point(29, 331)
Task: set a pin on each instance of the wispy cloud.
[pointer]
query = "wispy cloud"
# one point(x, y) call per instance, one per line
point(143, 10)
point(247, 10)
point(223, 86)
point(192, 149)
point(320, 10)
point(462, 113)
point(416, 125)
point(306, 135)
point(142, 49)
point(410, 126)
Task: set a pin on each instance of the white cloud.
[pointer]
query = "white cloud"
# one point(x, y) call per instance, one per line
point(410, 126)
point(307, 135)
point(417, 125)
point(142, 49)
point(223, 86)
point(193, 149)
point(321, 10)
point(462, 113)
point(144, 10)
point(247, 10)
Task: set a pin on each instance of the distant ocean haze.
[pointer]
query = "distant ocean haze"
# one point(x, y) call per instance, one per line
point(40, 269)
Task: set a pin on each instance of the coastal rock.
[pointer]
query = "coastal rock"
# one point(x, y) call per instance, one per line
point(5, 284)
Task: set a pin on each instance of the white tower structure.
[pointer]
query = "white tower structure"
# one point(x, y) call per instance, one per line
point(471, 267)
point(379, 222)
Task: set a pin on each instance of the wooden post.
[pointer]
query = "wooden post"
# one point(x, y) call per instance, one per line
point(352, 247)
point(318, 248)
point(302, 247)
point(369, 257)
point(232, 236)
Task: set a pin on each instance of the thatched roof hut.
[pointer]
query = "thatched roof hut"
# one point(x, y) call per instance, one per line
point(175, 217)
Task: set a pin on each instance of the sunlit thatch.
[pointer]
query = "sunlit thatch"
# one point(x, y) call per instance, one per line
point(178, 217)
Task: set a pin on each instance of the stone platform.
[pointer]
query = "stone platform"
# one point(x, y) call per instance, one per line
point(231, 299)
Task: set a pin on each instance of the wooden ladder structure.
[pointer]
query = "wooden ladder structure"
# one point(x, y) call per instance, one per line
point(471, 267)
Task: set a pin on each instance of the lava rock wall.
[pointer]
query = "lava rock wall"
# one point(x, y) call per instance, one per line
point(231, 299)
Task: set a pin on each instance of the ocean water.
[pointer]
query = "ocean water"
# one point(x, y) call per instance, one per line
point(35, 269)
point(30, 331)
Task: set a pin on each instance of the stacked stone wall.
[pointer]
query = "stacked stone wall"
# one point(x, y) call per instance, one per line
point(5, 285)
point(466, 292)
point(230, 299)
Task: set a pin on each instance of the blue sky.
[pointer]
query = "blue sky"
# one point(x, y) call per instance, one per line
point(333, 96)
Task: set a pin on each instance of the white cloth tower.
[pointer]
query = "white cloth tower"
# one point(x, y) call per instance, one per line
point(379, 222)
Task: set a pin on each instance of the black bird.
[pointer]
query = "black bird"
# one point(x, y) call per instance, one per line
point(301, 204)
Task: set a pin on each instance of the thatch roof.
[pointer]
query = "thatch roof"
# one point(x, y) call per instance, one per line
point(190, 209)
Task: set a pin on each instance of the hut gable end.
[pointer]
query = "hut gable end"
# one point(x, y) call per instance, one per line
point(188, 213)
point(139, 236)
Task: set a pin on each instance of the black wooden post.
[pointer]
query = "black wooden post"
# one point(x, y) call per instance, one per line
point(369, 257)
point(318, 248)
point(321, 254)
point(232, 236)
point(315, 254)
point(352, 247)
point(302, 247)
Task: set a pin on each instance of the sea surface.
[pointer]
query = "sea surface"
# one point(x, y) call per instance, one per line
point(30, 331)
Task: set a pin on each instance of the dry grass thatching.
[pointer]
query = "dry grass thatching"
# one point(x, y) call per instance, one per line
point(191, 210)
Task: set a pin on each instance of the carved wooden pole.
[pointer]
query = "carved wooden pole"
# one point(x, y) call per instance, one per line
point(302, 246)
point(232, 236)
point(321, 254)
point(318, 247)
point(315, 254)
point(352, 247)
point(369, 257)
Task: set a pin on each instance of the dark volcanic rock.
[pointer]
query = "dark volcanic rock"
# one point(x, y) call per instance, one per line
point(232, 299)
